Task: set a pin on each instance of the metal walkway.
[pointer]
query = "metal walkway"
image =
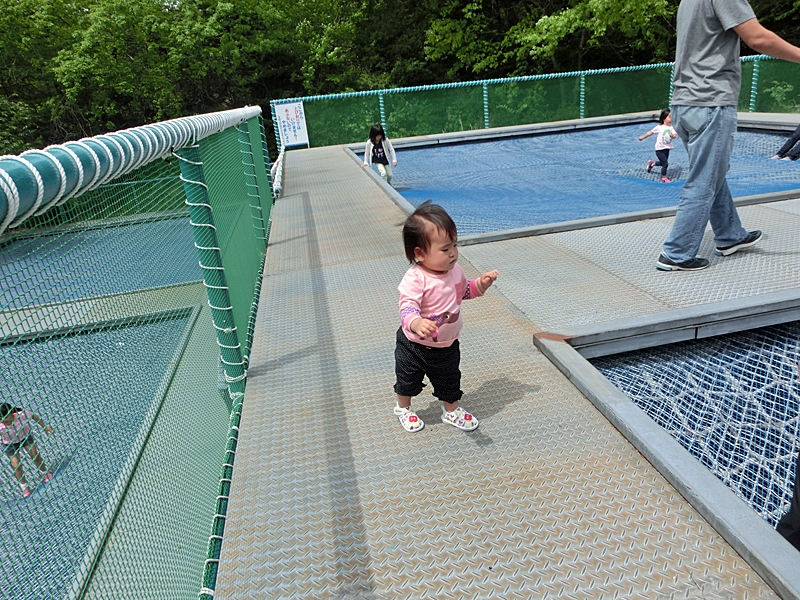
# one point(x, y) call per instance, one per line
point(331, 499)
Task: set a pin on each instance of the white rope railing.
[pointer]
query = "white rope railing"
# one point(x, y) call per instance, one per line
point(83, 165)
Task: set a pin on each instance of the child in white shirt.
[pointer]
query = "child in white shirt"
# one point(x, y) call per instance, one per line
point(665, 133)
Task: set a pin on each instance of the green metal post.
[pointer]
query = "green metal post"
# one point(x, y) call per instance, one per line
point(383, 111)
point(485, 106)
point(754, 86)
point(205, 239)
point(583, 95)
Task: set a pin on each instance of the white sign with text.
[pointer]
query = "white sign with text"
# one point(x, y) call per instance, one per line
point(292, 124)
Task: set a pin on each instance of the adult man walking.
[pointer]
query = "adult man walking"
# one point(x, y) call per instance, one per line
point(708, 76)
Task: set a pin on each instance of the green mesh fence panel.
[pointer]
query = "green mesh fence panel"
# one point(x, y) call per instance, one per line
point(778, 87)
point(345, 119)
point(341, 120)
point(538, 101)
point(628, 91)
point(433, 111)
point(106, 335)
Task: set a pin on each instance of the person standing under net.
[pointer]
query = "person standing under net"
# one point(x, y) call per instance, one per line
point(789, 525)
point(16, 435)
point(707, 80)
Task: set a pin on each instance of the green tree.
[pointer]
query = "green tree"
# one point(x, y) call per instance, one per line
point(117, 71)
point(33, 33)
point(780, 16)
point(390, 43)
point(628, 28)
point(139, 61)
point(510, 37)
point(471, 38)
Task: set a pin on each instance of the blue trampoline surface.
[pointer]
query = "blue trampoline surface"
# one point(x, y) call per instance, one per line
point(551, 178)
point(96, 400)
point(108, 260)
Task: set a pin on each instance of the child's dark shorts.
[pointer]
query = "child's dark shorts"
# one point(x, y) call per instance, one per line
point(12, 449)
point(413, 361)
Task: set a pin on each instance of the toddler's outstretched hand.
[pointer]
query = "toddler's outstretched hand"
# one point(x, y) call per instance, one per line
point(486, 280)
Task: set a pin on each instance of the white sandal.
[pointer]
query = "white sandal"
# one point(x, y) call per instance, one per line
point(460, 418)
point(408, 419)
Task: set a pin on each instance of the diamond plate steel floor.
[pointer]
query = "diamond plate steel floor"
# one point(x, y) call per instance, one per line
point(608, 273)
point(331, 499)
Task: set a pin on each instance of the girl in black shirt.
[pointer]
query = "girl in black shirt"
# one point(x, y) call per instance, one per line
point(379, 151)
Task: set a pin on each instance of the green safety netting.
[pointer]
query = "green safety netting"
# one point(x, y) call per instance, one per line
point(536, 101)
point(778, 87)
point(627, 91)
point(130, 267)
point(434, 111)
point(341, 120)
point(404, 112)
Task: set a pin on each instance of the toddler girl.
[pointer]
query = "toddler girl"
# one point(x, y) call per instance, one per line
point(665, 133)
point(430, 300)
point(15, 434)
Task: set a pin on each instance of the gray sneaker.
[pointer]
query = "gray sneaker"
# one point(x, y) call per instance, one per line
point(751, 239)
point(695, 264)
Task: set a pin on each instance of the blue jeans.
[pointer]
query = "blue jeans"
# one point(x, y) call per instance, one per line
point(785, 149)
point(707, 133)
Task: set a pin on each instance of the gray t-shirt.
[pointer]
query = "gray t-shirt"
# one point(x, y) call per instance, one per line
point(707, 67)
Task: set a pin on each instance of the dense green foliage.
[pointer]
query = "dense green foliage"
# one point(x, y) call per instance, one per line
point(69, 70)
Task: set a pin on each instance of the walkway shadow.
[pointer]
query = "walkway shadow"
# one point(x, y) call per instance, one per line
point(276, 363)
point(287, 240)
point(351, 552)
point(488, 400)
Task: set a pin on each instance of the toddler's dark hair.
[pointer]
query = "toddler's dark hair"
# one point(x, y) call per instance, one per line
point(415, 230)
point(6, 409)
point(375, 131)
point(663, 116)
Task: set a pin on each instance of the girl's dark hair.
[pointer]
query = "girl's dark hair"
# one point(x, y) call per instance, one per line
point(6, 409)
point(415, 229)
point(375, 131)
point(663, 116)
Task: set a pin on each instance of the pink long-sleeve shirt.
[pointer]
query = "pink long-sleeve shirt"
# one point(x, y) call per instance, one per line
point(436, 297)
point(18, 430)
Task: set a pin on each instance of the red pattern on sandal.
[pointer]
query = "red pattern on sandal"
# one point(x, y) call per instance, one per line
point(408, 419)
point(461, 419)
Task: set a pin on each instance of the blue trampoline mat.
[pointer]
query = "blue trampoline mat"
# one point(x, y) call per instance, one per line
point(96, 395)
point(95, 262)
point(551, 178)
